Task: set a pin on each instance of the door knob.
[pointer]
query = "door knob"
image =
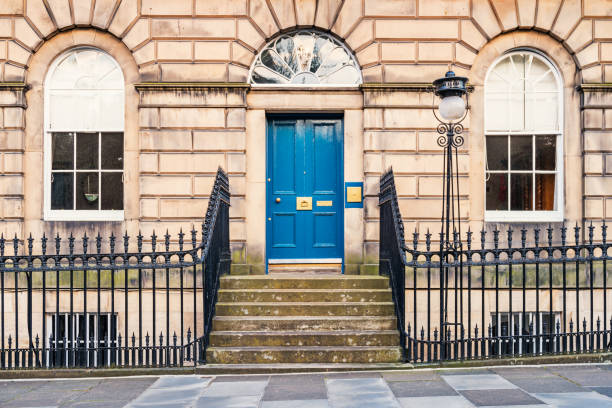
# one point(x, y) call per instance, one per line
point(277, 200)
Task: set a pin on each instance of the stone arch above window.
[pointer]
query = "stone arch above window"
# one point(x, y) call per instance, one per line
point(305, 57)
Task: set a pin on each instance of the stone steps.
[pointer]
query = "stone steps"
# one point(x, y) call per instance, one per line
point(304, 295)
point(304, 338)
point(295, 281)
point(258, 355)
point(304, 319)
point(305, 309)
point(283, 323)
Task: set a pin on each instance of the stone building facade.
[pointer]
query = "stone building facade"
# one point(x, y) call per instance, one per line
point(191, 104)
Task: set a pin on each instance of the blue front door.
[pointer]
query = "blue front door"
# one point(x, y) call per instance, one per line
point(304, 166)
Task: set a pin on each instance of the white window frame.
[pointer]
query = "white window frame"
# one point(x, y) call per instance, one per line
point(74, 215)
point(530, 216)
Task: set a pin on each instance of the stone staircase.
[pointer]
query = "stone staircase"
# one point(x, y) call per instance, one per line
point(323, 319)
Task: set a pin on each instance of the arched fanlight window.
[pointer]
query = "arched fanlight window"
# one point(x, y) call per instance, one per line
point(524, 144)
point(305, 57)
point(84, 123)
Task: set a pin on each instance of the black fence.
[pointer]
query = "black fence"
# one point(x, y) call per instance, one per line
point(507, 293)
point(97, 302)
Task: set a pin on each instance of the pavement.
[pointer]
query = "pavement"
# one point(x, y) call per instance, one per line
point(563, 386)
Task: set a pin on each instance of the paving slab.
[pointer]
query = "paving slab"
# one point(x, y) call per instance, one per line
point(585, 375)
point(366, 392)
point(445, 402)
point(234, 378)
point(501, 397)
point(295, 387)
point(321, 403)
point(478, 382)
point(575, 400)
point(548, 384)
point(237, 388)
point(243, 401)
point(607, 391)
point(411, 376)
point(403, 389)
point(170, 391)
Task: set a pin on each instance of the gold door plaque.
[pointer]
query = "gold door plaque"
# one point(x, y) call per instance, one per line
point(303, 203)
point(324, 203)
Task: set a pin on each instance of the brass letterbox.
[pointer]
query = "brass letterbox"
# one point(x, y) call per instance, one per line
point(303, 203)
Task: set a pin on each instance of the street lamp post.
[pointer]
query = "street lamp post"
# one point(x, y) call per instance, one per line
point(452, 111)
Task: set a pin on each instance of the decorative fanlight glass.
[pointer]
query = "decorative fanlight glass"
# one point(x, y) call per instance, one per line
point(305, 58)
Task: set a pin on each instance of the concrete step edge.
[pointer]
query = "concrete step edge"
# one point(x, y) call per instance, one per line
point(292, 290)
point(265, 318)
point(304, 348)
point(298, 276)
point(304, 303)
point(304, 333)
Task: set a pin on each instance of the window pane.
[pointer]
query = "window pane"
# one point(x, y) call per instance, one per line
point(497, 192)
point(112, 191)
point(87, 151)
point(521, 154)
point(546, 150)
point(62, 185)
point(112, 151)
point(497, 152)
point(87, 191)
point(541, 111)
point(62, 151)
point(522, 196)
point(545, 192)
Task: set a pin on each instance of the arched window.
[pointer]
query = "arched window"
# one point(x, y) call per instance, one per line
point(84, 122)
point(305, 57)
point(524, 143)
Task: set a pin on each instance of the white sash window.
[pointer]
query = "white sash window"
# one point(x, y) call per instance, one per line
point(524, 143)
point(84, 122)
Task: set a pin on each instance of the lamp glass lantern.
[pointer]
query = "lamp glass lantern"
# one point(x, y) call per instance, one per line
point(451, 90)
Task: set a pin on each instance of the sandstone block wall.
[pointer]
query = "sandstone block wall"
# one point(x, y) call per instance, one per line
point(177, 136)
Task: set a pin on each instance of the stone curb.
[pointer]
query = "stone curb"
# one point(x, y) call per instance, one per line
point(298, 368)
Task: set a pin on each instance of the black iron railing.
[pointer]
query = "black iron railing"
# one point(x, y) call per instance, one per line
point(507, 293)
point(120, 303)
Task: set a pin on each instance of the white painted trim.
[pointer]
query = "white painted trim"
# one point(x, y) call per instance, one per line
point(84, 215)
point(305, 261)
point(523, 216)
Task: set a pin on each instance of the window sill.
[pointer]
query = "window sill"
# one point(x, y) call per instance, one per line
point(84, 215)
point(523, 216)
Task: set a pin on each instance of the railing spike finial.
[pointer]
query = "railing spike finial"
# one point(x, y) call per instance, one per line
point(604, 231)
point(98, 243)
point(563, 234)
point(112, 243)
point(15, 245)
point(153, 241)
point(30, 244)
point(577, 233)
point(550, 235)
point(126, 247)
point(139, 238)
